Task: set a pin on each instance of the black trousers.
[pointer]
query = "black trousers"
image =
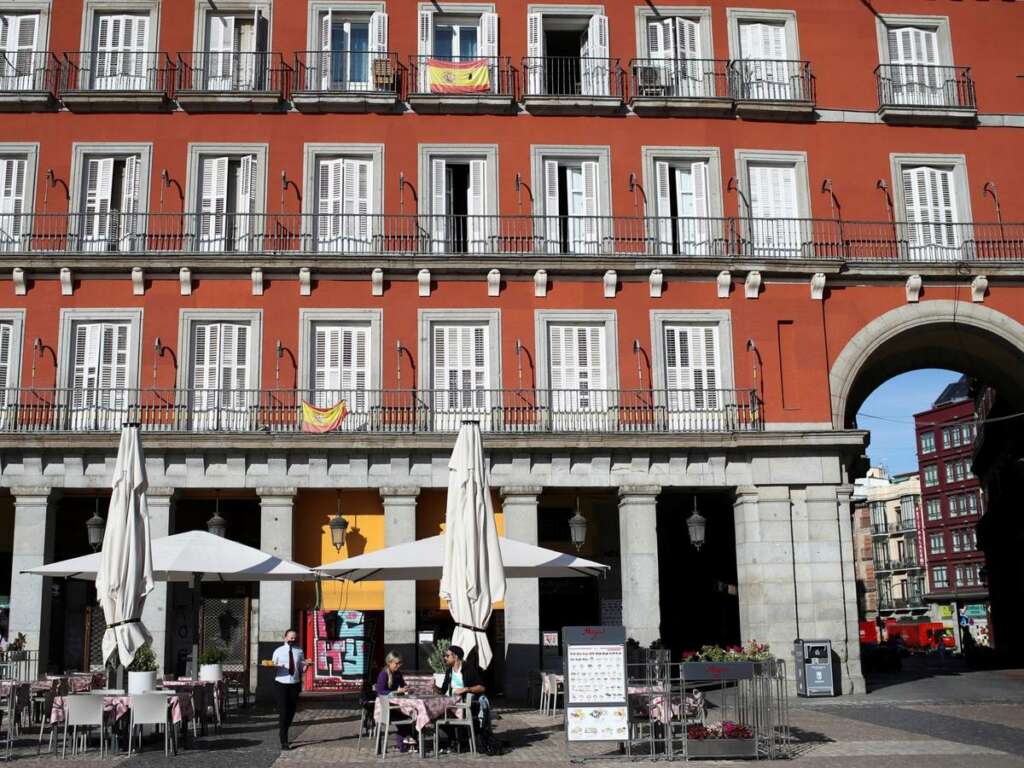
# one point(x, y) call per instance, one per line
point(286, 698)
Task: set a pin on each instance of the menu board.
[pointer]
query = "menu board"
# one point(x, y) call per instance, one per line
point(595, 684)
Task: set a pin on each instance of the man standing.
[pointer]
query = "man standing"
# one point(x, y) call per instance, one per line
point(289, 664)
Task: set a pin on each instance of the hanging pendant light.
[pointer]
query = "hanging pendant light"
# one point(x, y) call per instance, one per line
point(696, 525)
point(578, 528)
point(338, 526)
point(95, 527)
point(217, 525)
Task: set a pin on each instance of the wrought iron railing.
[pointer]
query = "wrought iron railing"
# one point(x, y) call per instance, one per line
point(572, 76)
point(22, 666)
point(679, 78)
point(510, 411)
point(771, 80)
point(212, 72)
point(346, 72)
point(481, 75)
point(29, 71)
point(117, 71)
point(361, 235)
point(921, 85)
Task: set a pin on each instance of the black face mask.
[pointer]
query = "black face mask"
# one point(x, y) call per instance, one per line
point(289, 642)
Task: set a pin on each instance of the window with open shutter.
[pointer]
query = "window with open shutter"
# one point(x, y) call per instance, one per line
point(595, 68)
point(99, 378)
point(20, 63)
point(682, 206)
point(915, 75)
point(929, 198)
point(356, 191)
point(12, 202)
point(98, 228)
point(341, 366)
point(220, 55)
point(213, 203)
point(763, 50)
point(535, 53)
point(774, 208)
point(578, 375)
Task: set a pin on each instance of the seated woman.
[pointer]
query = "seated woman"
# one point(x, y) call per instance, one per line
point(390, 681)
point(461, 677)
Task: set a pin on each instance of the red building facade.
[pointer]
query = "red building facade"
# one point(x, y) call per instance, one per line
point(662, 252)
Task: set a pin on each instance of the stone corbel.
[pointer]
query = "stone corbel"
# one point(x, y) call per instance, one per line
point(423, 281)
point(138, 281)
point(979, 287)
point(752, 286)
point(611, 282)
point(724, 283)
point(656, 282)
point(18, 277)
point(818, 286)
point(494, 282)
point(305, 281)
point(377, 282)
point(257, 281)
point(67, 283)
point(540, 283)
point(914, 284)
point(185, 281)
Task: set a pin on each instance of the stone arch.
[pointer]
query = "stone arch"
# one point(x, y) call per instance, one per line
point(961, 336)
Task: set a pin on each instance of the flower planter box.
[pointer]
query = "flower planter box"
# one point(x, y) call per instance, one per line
point(719, 670)
point(721, 748)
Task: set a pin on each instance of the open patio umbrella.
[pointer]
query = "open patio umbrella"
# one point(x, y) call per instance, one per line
point(473, 577)
point(125, 573)
point(423, 560)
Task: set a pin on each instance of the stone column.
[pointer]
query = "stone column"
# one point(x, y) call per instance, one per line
point(400, 596)
point(522, 596)
point(276, 539)
point(638, 553)
point(160, 502)
point(33, 546)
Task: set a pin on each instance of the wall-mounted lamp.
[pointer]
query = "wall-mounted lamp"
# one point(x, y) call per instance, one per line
point(37, 351)
point(734, 186)
point(635, 185)
point(639, 366)
point(398, 362)
point(519, 362)
point(158, 349)
point(520, 186)
point(883, 186)
point(51, 182)
point(402, 184)
point(990, 189)
point(837, 210)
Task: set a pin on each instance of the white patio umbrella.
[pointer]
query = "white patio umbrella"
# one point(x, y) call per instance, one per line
point(423, 560)
point(473, 577)
point(125, 572)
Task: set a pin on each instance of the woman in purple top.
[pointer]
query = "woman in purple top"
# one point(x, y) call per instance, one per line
point(390, 681)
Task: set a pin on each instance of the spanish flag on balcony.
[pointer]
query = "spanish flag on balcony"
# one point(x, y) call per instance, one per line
point(323, 419)
point(458, 76)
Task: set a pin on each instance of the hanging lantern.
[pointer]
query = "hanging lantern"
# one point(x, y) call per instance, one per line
point(578, 528)
point(217, 525)
point(95, 527)
point(338, 526)
point(696, 525)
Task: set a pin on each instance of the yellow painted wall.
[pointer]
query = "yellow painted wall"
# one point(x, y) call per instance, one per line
point(365, 514)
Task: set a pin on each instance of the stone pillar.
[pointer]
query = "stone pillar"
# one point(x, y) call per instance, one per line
point(33, 546)
point(638, 553)
point(400, 596)
point(160, 502)
point(522, 596)
point(275, 606)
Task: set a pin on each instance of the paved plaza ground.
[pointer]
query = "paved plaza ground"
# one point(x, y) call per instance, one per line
point(938, 717)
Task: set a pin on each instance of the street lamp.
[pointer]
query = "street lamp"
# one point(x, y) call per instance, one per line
point(217, 525)
point(696, 524)
point(95, 527)
point(578, 528)
point(338, 526)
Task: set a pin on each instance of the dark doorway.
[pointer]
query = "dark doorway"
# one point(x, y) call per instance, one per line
point(562, 65)
point(699, 596)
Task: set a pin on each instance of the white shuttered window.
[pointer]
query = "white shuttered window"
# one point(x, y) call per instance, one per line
point(914, 74)
point(221, 375)
point(692, 367)
point(579, 371)
point(99, 378)
point(12, 202)
point(774, 208)
point(119, 58)
point(930, 200)
point(20, 62)
point(341, 366)
point(7, 397)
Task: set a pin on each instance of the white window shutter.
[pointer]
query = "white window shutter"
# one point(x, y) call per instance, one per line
point(129, 202)
point(98, 185)
point(929, 198)
point(246, 222)
point(326, 59)
point(113, 362)
point(751, 41)
point(551, 213)
point(439, 351)
point(213, 203)
point(595, 69)
point(329, 204)
point(235, 357)
point(438, 204)
point(378, 32)
point(206, 357)
point(535, 53)
point(687, 38)
point(355, 360)
point(425, 46)
point(697, 231)
point(12, 200)
point(356, 203)
point(477, 224)
point(663, 205)
point(220, 53)
point(137, 47)
point(327, 367)
point(6, 348)
point(556, 350)
point(87, 355)
point(590, 230)
point(655, 40)
point(595, 361)
point(488, 37)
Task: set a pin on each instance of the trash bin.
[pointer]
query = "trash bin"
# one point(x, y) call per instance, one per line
point(813, 667)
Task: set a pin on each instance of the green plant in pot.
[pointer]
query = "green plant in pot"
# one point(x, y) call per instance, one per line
point(436, 659)
point(16, 648)
point(211, 662)
point(142, 671)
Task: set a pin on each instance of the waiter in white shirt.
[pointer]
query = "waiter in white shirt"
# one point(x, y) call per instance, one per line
point(289, 664)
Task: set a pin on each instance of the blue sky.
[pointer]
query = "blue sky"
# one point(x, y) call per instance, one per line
point(896, 402)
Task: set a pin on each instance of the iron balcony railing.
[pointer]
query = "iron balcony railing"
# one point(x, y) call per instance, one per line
point(879, 529)
point(29, 71)
point(346, 72)
point(482, 75)
point(679, 78)
point(904, 564)
point(771, 80)
point(104, 71)
point(572, 76)
point(382, 411)
point(921, 85)
point(883, 565)
point(361, 235)
point(213, 72)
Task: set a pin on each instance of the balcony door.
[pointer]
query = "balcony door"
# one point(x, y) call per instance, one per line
point(929, 195)
point(341, 371)
point(915, 76)
point(774, 208)
point(350, 46)
point(461, 375)
point(457, 39)
point(579, 396)
point(13, 222)
point(8, 387)
point(571, 206)
point(568, 56)
point(675, 66)
point(221, 377)
point(692, 378)
point(458, 221)
point(99, 396)
point(682, 208)
point(120, 53)
point(20, 60)
point(344, 186)
point(236, 53)
point(765, 66)
point(110, 218)
point(227, 204)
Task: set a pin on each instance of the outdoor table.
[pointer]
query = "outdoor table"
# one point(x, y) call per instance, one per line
point(422, 709)
point(203, 691)
point(117, 706)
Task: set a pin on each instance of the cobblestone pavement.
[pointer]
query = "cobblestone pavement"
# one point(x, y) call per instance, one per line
point(979, 723)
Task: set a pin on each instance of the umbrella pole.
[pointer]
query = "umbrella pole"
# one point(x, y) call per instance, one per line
point(195, 582)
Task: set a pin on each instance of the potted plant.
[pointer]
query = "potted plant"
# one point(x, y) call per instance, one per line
point(142, 671)
point(436, 660)
point(16, 648)
point(720, 740)
point(734, 662)
point(210, 665)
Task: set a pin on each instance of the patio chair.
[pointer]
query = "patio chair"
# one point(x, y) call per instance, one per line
point(7, 722)
point(551, 689)
point(458, 716)
point(85, 711)
point(383, 726)
point(45, 701)
point(366, 724)
point(151, 709)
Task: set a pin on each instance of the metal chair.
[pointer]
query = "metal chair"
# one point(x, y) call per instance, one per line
point(8, 722)
point(550, 691)
point(86, 711)
point(458, 716)
point(383, 725)
point(366, 723)
point(45, 701)
point(151, 709)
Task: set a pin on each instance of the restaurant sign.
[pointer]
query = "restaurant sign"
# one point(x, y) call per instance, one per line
point(595, 684)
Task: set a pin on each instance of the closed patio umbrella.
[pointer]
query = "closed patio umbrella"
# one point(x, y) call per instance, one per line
point(473, 576)
point(125, 572)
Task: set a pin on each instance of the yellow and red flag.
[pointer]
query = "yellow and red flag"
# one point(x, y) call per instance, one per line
point(323, 419)
point(458, 76)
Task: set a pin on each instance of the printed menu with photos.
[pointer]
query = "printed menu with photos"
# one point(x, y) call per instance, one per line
point(597, 674)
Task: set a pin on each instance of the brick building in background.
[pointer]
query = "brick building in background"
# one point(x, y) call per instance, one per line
point(952, 506)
